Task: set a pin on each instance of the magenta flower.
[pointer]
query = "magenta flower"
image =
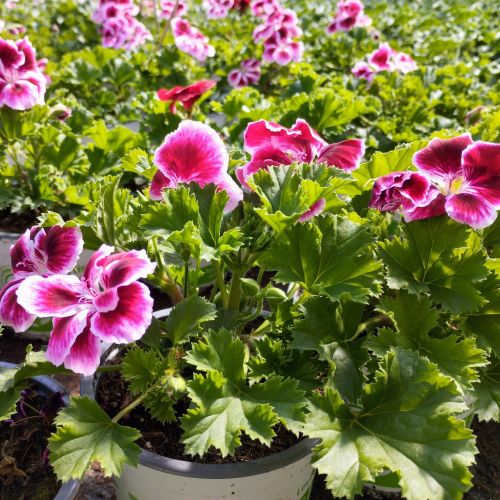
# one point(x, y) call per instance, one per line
point(22, 83)
point(457, 176)
point(193, 153)
point(363, 71)
point(349, 15)
point(42, 252)
point(108, 9)
point(272, 144)
point(167, 8)
point(107, 304)
point(247, 74)
point(187, 96)
point(217, 9)
point(190, 40)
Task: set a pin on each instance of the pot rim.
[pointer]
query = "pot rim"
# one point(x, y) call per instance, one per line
point(212, 471)
point(68, 490)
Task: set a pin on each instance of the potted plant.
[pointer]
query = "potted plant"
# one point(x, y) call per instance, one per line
point(363, 319)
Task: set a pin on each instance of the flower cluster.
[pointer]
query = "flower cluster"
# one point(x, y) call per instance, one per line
point(22, 81)
point(247, 74)
point(272, 144)
point(167, 8)
point(107, 304)
point(384, 59)
point(456, 176)
point(349, 14)
point(119, 27)
point(217, 9)
point(278, 32)
point(194, 153)
point(187, 96)
point(190, 40)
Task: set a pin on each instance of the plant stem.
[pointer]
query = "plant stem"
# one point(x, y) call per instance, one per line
point(167, 24)
point(235, 292)
point(129, 408)
point(219, 276)
point(367, 324)
point(186, 279)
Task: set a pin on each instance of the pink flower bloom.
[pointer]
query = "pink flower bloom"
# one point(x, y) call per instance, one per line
point(404, 63)
point(107, 304)
point(349, 15)
point(463, 179)
point(110, 9)
point(316, 209)
point(263, 8)
point(190, 40)
point(217, 9)
point(247, 74)
point(39, 251)
point(167, 9)
point(187, 96)
point(381, 59)
point(272, 144)
point(124, 32)
point(22, 83)
point(193, 153)
point(363, 71)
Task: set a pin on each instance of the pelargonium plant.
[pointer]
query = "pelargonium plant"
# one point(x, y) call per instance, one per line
point(375, 334)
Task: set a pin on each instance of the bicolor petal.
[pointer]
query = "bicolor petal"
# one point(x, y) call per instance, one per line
point(85, 354)
point(470, 209)
point(11, 313)
point(345, 155)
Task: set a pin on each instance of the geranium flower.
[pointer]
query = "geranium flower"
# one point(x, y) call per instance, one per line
point(167, 8)
point(22, 83)
point(272, 144)
point(124, 32)
point(457, 176)
point(247, 74)
point(190, 40)
point(349, 15)
point(363, 71)
point(193, 153)
point(217, 9)
point(39, 251)
point(107, 9)
point(187, 96)
point(107, 304)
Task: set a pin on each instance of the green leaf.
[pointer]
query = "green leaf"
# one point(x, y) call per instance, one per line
point(220, 416)
point(332, 256)
point(187, 316)
point(415, 319)
point(137, 162)
point(438, 256)
point(85, 434)
point(142, 368)
point(8, 400)
point(404, 424)
point(487, 392)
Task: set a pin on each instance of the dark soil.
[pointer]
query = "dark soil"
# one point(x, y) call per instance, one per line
point(164, 439)
point(16, 223)
point(13, 347)
point(486, 471)
point(25, 473)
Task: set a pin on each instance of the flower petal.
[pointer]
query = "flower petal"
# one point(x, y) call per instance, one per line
point(481, 169)
point(470, 209)
point(93, 269)
point(63, 246)
point(345, 155)
point(441, 159)
point(193, 153)
point(63, 336)
point(129, 320)
point(55, 296)
point(158, 184)
point(316, 209)
point(85, 354)
point(11, 313)
point(234, 192)
point(21, 253)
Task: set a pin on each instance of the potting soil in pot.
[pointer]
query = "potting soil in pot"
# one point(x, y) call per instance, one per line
point(164, 439)
point(25, 472)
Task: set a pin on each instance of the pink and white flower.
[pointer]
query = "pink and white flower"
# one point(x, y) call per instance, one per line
point(190, 40)
point(194, 153)
point(108, 304)
point(38, 252)
point(247, 74)
point(22, 82)
point(187, 96)
point(167, 9)
point(349, 14)
point(456, 176)
point(108, 9)
point(384, 58)
point(217, 9)
point(272, 144)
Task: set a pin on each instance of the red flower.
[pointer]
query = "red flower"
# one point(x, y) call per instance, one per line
point(187, 96)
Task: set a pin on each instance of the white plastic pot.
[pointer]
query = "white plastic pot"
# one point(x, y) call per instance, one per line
point(49, 386)
point(287, 475)
point(6, 241)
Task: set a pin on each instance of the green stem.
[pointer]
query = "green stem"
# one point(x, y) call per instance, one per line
point(235, 292)
point(366, 325)
point(219, 276)
point(125, 411)
point(186, 279)
point(293, 290)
